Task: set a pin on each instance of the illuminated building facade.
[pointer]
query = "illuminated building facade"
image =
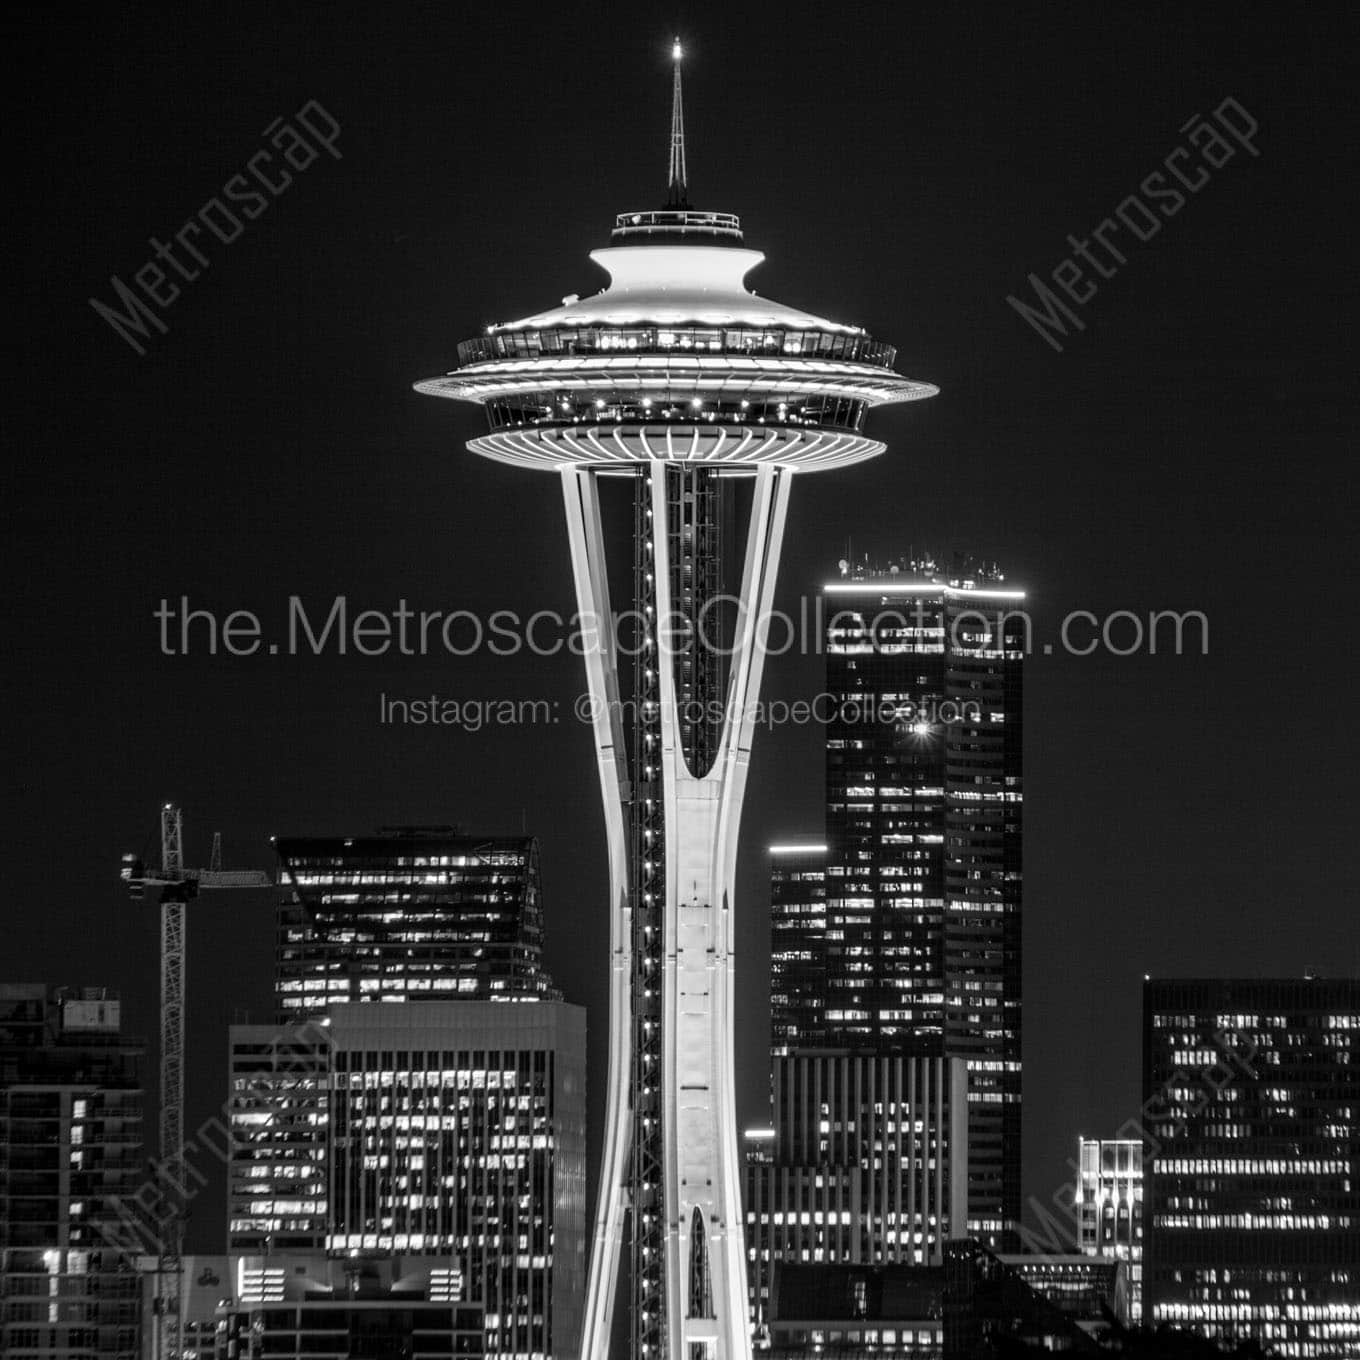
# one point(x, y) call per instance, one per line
point(899, 936)
point(924, 796)
point(678, 389)
point(1252, 1092)
point(279, 1110)
point(341, 1308)
point(866, 1163)
point(797, 947)
point(1110, 1205)
point(409, 915)
point(1044, 1302)
point(969, 1306)
point(70, 1149)
point(848, 1311)
point(452, 1132)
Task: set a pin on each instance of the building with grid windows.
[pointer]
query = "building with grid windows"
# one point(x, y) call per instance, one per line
point(279, 1112)
point(439, 1136)
point(1252, 1116)
point(866, 1163)
point(70, 1155)
point(1110, 1206)
point(411, 914)
point(797, 946)
point(924, 797)
point(895, 936)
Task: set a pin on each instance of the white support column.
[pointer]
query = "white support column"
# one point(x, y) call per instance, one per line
point(728, 1239)
point(702, 1161)
point(585, 534)
point(703, 1167)
point(684, 817)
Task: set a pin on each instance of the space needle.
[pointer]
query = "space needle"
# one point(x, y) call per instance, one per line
point(705, 400)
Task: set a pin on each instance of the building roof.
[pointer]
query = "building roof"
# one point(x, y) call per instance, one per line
point(864, 1293)
point(675, 285)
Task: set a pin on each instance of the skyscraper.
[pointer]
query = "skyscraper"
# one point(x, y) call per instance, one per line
point(442, 1133)
point(866, 1164)
point(70, 1152)
point(897, 938)
point(679, 382)
point(448, 1136)
point(797, 947)
point(409, 914)
point(1252, 1112)
point(1110, 1206)
point(866, 1159)
point(923, 879)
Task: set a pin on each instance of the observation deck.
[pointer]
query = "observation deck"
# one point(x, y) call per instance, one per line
point(676, 360)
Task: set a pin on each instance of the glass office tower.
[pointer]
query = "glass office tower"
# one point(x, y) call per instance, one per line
point(447, 1137)
point(1252, 1133)
point(924, 788)
point(895, 938)
point(407, 915)
point(438, 1139)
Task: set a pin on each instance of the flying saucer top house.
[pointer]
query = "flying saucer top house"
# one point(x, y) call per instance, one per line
point(679, 378)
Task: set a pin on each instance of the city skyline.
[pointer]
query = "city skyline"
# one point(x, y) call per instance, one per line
point(1186, 813)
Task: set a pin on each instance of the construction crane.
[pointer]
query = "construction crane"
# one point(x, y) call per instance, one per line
point(178, 886)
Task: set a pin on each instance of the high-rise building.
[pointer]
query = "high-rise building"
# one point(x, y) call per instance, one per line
point(866, 1163)
point(675, 384)
point(1252, 1130)
point(407, 915)
point(797, 947)
point(70, 1157)
point(444, 1136)
point(866, 1158)
point(1110, 1206)
point(896, 937)
point(279, 1112)
point(443, 1132)
point(923, 875)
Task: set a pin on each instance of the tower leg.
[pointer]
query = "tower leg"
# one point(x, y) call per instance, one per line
point(704, 1256)
point(703, 814)
point(586, 537)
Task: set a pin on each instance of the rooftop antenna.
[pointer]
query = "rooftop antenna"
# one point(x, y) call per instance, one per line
point(678, 195)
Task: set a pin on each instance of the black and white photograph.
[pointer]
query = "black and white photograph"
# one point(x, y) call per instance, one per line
point(681, 682)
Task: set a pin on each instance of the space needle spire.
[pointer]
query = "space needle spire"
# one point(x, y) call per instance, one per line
point(678, 195)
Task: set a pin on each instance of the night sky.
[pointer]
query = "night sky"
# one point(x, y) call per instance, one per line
point(904, 168)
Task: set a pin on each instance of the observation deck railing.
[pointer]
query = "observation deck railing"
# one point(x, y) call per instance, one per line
point(747, 342)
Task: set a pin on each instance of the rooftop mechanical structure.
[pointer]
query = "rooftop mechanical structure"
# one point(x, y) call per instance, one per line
point(709, 400)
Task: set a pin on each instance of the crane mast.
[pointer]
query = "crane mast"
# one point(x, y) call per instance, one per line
point(178, 886)
point(173, 899)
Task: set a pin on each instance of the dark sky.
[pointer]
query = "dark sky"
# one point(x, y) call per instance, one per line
point(903, 167)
